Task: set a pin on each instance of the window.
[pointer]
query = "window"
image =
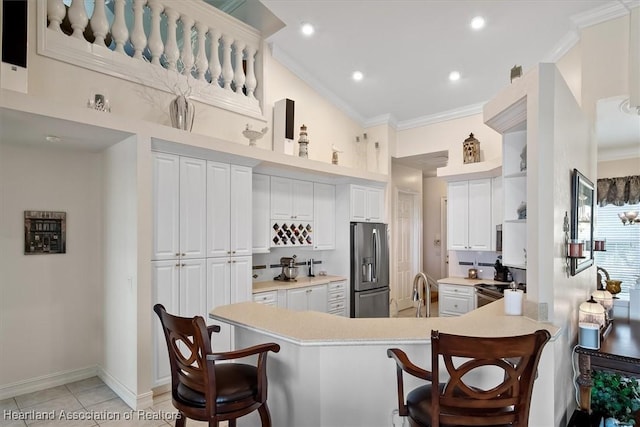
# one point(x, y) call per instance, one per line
point(621, 258)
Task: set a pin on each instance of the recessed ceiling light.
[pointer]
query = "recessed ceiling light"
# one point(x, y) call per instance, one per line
point(357, 76)
point(52, 138)
point(307, 29)
point(454, 75)
point(477, 23)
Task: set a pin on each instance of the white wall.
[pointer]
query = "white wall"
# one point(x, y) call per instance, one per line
point(619, 168)
point(50, 305)
point(450, 135)
point(434, 189)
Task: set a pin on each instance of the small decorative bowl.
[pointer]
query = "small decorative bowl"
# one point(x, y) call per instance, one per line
point(613, 286)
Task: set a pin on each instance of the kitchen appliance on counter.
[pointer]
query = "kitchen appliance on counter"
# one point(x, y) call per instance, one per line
point(289, 269)
point(502, 273)
point(369, 270)
point(487, 293)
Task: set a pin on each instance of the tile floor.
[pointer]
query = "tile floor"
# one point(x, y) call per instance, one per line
point(92, 403)
point(85, 403)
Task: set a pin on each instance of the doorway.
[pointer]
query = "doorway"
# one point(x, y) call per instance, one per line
point(407, 250)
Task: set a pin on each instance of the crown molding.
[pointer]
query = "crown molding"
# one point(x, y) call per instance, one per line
point(457, 113)
point(562, 47)
point(292, 65)
point(623, 153)
point(606, 12)
point(384, 119)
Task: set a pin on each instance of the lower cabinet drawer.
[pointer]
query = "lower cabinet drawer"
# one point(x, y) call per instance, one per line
point(336, 296)
point(268, 298)
point(338, 308)
point(454, 305)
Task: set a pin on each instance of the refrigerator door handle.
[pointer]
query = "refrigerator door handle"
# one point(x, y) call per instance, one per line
point(376, 255)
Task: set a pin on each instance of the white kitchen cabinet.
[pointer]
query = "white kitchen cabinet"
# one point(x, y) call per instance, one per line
point(228, 210)
point(337, 298)
point(181, 286)
point(267, 298)
point(179, 207)
point(312, 298)
point(291, 199)
point(367, 204)
point(261, 227)
point(469, 217)
point(455, 300)
point(324, 213)
point(228, 282)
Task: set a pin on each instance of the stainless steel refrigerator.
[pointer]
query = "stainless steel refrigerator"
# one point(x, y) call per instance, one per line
point(369, 270)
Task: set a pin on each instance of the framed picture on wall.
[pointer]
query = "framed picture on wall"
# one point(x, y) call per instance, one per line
point(45, 232)
point(582, 209)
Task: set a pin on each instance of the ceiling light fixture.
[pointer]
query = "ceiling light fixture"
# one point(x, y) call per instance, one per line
point(477, 23)
point(307, 29)
point(454, 76)
point(357, 76)
point(52, 138)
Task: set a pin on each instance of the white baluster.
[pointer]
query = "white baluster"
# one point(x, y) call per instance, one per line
point(186, 55)
point(119, 29)
point(78, 18)
point(171, 52)
point(238, 77)
point(55, 12)
point(155, 39)
point(251, 82)
point(138, 37)
point(201, 57)
point(99, 23)
point(214, 60)
point(227, 69)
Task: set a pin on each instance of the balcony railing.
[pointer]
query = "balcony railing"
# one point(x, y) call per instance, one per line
point(184, 47)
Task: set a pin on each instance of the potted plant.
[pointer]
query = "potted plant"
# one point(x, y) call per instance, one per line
point(615, 396)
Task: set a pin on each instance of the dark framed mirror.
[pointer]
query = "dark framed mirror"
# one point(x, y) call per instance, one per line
point(582, 210)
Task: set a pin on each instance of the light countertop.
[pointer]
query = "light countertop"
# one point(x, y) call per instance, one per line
point(309, 328)
point(301, 282)
point(469, 282)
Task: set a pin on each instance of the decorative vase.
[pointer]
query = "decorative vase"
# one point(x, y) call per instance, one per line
point(182, 112)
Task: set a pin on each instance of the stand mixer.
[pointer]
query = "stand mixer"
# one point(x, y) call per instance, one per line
point(289, 269)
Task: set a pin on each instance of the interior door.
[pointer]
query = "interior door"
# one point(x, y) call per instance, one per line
point(405, 268)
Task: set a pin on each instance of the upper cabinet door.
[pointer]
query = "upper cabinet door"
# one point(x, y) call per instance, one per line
point(261, 228)
point(218, 211)
point(281, 201)
point(458, 215)
point(193, 207)
point(241, 211)
point(480, 229)
point(375, 205)
point(291, 199)
point(324, 205)
point(367, 204)
point(302, 200)
point(166, 206)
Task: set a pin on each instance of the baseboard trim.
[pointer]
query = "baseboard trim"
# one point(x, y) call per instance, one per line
point(46, 381)
point(135, 401)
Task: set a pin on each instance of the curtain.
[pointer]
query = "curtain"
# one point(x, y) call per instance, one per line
point(619, 191)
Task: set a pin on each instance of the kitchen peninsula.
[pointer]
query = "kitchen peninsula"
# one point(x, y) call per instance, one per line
point(333, 371)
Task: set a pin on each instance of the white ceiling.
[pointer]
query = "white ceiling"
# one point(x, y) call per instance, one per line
point(407, 48)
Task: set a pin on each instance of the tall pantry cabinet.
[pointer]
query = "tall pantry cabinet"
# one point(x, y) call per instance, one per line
point(201, 243)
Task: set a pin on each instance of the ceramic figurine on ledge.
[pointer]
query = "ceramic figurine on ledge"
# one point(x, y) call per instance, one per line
point(334, 156)
point(253, 135)
point(303, 142)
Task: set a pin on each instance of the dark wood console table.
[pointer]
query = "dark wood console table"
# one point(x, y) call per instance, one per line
point(619, 352)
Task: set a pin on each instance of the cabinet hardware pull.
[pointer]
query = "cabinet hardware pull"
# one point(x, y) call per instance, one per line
point(177, 253)
point(178, 265)
point(228, 252)
point(182, 265)
point(183, 254)
point(233, 252)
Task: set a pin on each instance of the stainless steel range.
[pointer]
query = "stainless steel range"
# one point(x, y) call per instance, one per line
point(487, 293)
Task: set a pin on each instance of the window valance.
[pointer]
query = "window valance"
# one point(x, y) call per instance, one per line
point(618, 191)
